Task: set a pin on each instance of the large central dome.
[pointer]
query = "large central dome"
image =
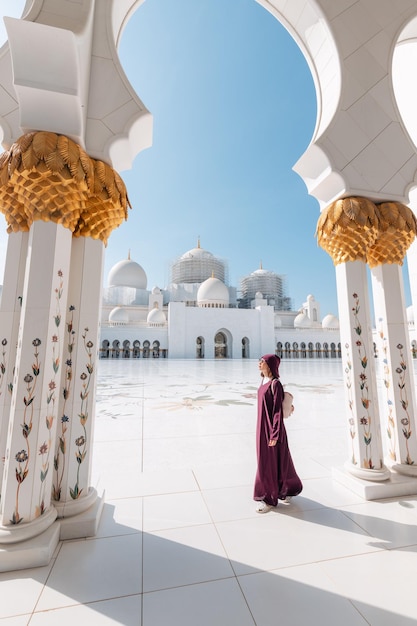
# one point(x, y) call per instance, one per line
point(127, 273)
point(196, 266)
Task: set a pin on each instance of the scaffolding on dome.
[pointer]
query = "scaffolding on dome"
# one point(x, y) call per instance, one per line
point(192, 269)
point(270, 285)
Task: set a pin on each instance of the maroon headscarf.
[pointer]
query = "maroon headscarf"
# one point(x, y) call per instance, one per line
point(273, 361)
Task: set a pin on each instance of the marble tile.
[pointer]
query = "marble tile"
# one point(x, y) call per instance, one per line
point(380, 585)
point(183, 556)
point(226, 475)
point(126, 611)
point(393, 523)
point(174, 511)
point(298, 595)
point(277, 540)
point(121, 517)
point(21, 589)
point(218, 603)
point(92, 570)
point(190, 452)
point(19, 620)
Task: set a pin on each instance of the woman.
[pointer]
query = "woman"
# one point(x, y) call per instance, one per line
point(276, 478)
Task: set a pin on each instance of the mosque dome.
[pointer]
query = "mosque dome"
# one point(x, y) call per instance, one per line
point(127, 273)
point(156, 291)
point(196, 266)
point(330, 322)
point(269, 284)
point(156, 317)
point(302, 321)
point(119, 315)
point(213, 292)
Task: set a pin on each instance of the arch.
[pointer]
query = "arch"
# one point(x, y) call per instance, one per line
point(310, 349)
point(155, 349)
point(278, 351)
point(404, 60)
point(105, 349)
point(199, 347)
point(318, 350)
point(325, 350)
point(136, 349)
point(245, 348)
point(222, 344)
point(295, 350)
point(146, 349)
point(303, 350)
point(333, 350)
point(115, 352)
point(287, 350)
point(126, 349)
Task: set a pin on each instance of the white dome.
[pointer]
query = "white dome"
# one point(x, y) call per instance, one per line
point(197, 253)
point(302, 321)
point(156, 317)
point(119, 315)
point(127, 273)
point(213, 291)
point(156, 291)
point(259, 295)
point(330, 322)
point(410, 314)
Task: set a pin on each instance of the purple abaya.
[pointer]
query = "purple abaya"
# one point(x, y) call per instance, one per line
point(276, 477)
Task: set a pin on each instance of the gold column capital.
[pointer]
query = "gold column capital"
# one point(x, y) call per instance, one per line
point(45, 176)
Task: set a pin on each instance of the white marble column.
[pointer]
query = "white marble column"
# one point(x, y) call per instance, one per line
point(27, 478)
point(366, 455)
point(71, 490)
point(11, 306)
point(395, 361)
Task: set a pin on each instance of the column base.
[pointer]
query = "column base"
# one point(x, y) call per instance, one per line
point(69, 508)
point(35, 552)
point(84, 524)
point(402, 468)
point(38, 551)
point(17, 533)
point(374, 475)
point(397, 485)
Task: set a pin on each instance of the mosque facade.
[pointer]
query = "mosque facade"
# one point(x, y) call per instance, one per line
point(198, 315)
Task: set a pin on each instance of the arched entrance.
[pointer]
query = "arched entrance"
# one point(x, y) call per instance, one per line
point(199, 348)
point(220, 346)
point(245, 348)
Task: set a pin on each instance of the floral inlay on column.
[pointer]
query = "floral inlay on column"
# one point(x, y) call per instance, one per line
point(23, 456)
point(3, 364)
point(82, 440)
point(405, 421)
point(352, 428)
point(365, 420)
point(60, 455)
point(45, 447)
point(391, 430)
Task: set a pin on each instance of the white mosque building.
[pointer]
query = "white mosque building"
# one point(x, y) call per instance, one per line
point(200, 316)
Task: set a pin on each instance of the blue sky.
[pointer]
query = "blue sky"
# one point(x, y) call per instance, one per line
point(234, 107)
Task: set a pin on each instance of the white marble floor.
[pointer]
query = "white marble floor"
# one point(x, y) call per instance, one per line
point(180, 544)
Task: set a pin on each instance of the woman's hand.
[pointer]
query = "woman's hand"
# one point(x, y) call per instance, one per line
point(272, 442)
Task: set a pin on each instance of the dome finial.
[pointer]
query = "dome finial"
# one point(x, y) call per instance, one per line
point(212, 273)
point(198, 241)
point(260, 265)
point(128, 255)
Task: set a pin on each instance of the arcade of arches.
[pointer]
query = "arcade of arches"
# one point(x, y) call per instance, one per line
point(152, 349)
